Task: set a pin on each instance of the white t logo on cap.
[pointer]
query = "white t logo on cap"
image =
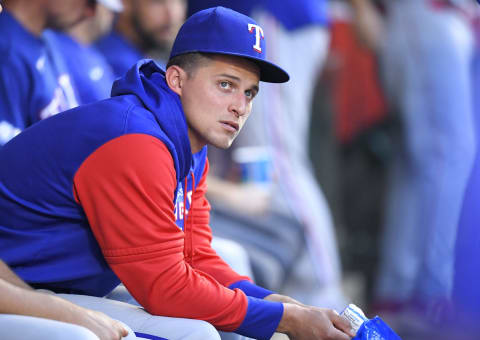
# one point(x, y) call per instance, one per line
point(258, 35)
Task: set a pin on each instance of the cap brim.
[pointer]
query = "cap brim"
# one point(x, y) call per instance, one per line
point(269, 72)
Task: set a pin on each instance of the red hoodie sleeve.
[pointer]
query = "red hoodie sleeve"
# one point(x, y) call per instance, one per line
point(126, 188)
point(204, 257)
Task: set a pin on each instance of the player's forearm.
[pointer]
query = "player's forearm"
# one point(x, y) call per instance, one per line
point(284, 299)
point(19, 301)
point(9, 276)
point(289, 321)
point(16, 300)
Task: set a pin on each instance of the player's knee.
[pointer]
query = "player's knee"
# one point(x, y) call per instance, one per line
point(203, 330)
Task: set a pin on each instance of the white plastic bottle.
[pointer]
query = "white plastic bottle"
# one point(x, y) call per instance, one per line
point(355, 316)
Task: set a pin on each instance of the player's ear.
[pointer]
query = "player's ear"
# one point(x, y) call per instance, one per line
point(175, 76)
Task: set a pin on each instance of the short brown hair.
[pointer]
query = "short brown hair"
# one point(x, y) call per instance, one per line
point(189, 61)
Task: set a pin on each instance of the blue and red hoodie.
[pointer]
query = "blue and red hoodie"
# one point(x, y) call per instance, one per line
point(111, 192)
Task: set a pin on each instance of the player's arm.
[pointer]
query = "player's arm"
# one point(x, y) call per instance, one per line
point(16, 297)
point(205, 257)
point(325, 323)
point(126, 188)
point(9, 276)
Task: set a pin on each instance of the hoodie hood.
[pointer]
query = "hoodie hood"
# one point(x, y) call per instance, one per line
point(146, 80)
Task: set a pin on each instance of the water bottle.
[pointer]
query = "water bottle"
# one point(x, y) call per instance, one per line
point(367, 329)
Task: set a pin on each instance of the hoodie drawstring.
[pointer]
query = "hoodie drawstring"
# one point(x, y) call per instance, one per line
point(187, 229)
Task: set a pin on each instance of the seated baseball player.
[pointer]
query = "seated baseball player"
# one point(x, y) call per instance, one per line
point(114, 191)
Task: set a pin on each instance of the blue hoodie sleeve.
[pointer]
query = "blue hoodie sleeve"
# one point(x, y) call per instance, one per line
point(251, 289)
point(262, 318)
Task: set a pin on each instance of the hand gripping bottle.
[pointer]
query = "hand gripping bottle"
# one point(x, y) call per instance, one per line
point(367, 329)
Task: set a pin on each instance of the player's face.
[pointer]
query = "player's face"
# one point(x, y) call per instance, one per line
point(217, 100)
point(63, 14)
point(158, 21)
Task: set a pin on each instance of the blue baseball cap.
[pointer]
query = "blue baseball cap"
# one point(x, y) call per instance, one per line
point(221, 30)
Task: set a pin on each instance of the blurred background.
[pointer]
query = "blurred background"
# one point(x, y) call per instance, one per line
point(357, 181)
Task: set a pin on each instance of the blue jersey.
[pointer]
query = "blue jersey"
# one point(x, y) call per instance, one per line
point(32, 86)
point(91, 74)
point(49, 206)
point(113, 192)
point(292, 14)
point(119, 53)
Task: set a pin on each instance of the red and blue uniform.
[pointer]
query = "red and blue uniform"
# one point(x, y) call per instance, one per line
point(111, 192)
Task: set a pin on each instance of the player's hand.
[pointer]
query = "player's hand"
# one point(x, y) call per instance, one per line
point(102, 325)
point(305, 322)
